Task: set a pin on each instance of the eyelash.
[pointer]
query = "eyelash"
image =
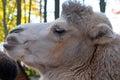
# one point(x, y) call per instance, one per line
point(59, 31)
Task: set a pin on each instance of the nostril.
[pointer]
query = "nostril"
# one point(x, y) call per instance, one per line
point(17, 30)
point(11, 39)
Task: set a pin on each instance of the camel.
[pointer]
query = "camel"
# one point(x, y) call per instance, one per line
point(79, 45)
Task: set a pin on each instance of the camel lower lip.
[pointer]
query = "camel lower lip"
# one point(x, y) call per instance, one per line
point(8, 46)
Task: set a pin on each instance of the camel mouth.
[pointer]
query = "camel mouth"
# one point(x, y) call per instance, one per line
point(8, 46)
point(10, 43)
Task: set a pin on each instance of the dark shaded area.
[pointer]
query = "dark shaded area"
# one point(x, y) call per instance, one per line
point(18, 12)
point(102, 6)
point(8, 68)
point(57, 2)
point(45, 10)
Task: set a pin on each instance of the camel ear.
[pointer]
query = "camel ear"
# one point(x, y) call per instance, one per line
point(101, 34)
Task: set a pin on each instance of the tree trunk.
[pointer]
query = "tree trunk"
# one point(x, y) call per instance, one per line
point(18, 11)
point(4, 18)
point(40, 10)
point(45, 10)
point(56, 9)
point(102, 6)
point(29, 10)
point(83, 1)
point(25, 20)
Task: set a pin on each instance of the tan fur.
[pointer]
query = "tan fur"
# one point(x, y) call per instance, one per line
point(80, 45)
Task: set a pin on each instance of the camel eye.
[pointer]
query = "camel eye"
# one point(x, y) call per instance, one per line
point(18, 30)
point(59, 31)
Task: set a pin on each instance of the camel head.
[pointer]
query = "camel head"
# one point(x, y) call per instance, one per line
point(67, 41)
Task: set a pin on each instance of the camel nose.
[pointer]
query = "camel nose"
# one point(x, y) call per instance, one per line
point(11, 42)
point(17, 30)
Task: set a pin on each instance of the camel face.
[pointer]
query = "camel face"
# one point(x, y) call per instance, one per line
point(21, 39)
point(70, 41)
point(45, 44)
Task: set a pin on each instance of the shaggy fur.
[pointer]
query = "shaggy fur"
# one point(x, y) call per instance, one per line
point(80, 45)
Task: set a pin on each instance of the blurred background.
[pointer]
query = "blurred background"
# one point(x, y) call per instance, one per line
point(15, 12)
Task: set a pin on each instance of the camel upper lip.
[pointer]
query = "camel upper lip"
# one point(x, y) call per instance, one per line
point(10, 43)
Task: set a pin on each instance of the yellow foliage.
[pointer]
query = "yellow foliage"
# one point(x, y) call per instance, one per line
point(1, 33)
point(11, 14)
